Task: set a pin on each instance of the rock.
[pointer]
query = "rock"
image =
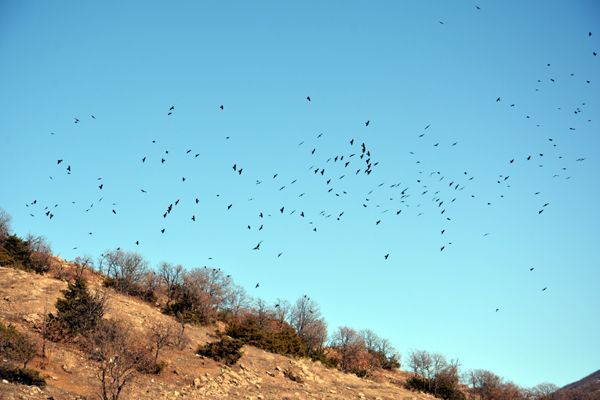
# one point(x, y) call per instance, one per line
point(197, 383)
point(260, 397)
point(66, 368)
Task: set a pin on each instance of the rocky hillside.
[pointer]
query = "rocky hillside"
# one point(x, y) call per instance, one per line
point(26, 297)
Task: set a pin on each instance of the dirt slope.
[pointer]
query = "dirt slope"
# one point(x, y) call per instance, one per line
point(24, 297)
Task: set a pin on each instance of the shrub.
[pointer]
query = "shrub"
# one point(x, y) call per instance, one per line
point(23, 376)
point(15, 346)
point(118, 359)
point(79, 311)
point(273, 336)
point(227, 350)
point(32, 254)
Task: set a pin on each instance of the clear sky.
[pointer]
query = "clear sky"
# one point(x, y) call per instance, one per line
point(402, 66)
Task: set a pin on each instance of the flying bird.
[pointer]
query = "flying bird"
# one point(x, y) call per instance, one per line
point(257, 247)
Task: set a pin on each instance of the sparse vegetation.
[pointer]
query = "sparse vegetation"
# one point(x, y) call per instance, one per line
point(16, 347)
point(226, 349)
point(118, 358)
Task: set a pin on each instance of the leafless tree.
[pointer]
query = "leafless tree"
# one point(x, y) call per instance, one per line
point(162, 334)
point(348, 344)
point(5, 229)
point(305, 318)
point(171, 276)
point(126, 269)
point(40, 256)
point(117, 359)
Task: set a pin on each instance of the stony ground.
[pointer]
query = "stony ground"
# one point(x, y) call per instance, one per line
point(25, 297)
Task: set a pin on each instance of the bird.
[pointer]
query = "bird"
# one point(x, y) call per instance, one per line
point(144, 159)
point(229, 206)
point(308, 98)
point(76, 120)
point(544, 289)
point(532, 268)
point(257, 285)
point(101, 186)
point(257, 247)
point(498, 99)
point(162, 230)
point(58, 162)
point(497, 309)
point(93, 116)
point(221, 107)
point(172, 108)
point(386, 256)
point(367, 123)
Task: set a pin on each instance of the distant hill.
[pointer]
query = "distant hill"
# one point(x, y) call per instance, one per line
point(587, 388)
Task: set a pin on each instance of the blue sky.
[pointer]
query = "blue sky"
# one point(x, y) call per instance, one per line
point(400, 65)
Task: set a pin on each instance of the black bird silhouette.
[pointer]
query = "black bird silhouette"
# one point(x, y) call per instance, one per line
point(257, 285)
point(532, 268)
point(386, 256)
point(101, 186)
point(308, 98)
point(113, 211)
point(144, 159)
point(497, 309)
point(498, 99)
point(257, 247)
point(193, 218)
point(172, 108)
point(76, 120)
point(351, 142)
point(367, 123)
point(281, 209)
point(229, 206)
point(58, 162)
point(221, 107)
point(162, 230)
point(544, 289)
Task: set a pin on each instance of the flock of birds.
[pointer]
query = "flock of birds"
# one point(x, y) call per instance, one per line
point(355, 158)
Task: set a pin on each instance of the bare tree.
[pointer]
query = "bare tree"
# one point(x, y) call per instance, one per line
point(5, 229)
point(40, 256)
point(235, 300)
point(172, 277)
point(348, 344)
point(281, 310)
point(117, 360)
point(125, 269)
point(543, 391)
point(305, 318)
point(161, 335)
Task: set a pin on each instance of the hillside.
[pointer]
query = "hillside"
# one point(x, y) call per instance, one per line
point(25, 297)
point(587, 388)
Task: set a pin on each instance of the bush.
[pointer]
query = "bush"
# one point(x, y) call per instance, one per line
point(23, 376)
point(32, 254)
point(440, 386)
point(15, 346)
point(273, 336)
point(132, 289)
point(227, 350)
point(79, 311)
